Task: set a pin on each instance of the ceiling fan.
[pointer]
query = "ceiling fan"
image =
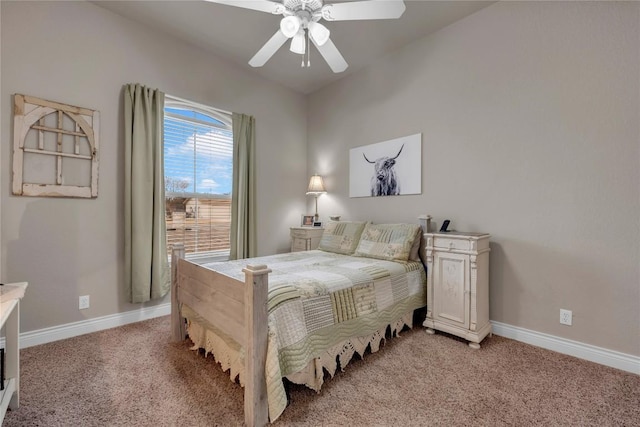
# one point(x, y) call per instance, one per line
point(300, 24)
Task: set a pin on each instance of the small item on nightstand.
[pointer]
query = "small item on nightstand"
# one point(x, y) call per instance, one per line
point(445, 225)
point(307, 220)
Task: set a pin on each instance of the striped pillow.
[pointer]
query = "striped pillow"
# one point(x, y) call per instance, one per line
point(341, 237)
point(391, 242)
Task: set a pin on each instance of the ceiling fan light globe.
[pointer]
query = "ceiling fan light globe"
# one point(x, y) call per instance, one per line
point(319, 33)
point(298, 44)
point(290, 26)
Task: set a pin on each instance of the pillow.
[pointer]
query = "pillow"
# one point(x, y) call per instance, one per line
point(341, 237)
point(392, 242)
point(414, 254)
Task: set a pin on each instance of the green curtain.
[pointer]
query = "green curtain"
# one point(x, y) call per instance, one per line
point(147, 273)
point(243, 192)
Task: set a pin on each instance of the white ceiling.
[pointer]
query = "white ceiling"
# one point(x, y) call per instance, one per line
point(236, 34)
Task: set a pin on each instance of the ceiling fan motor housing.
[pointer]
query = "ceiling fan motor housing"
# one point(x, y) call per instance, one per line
point(295, 5)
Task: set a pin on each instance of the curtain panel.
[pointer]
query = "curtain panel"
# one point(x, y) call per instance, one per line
point(147, 274)
point(243, 193)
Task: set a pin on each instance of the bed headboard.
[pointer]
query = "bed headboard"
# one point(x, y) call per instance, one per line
point(425, 223)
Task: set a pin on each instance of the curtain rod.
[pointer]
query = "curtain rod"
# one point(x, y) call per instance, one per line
point(175, 98)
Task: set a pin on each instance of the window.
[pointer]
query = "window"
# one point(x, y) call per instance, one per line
point(198, 166)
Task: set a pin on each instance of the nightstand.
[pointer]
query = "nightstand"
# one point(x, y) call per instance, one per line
point(458, 285)
point(305, 238)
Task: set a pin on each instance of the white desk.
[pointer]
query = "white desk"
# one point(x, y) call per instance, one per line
point(10, 319)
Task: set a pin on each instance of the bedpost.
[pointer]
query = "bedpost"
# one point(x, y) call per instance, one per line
point(425, 223)
point(256, 410)
point(177, 321)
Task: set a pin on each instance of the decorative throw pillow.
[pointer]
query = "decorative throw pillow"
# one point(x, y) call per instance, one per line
point(414, 255)
point(392, 242)
point(341, 237)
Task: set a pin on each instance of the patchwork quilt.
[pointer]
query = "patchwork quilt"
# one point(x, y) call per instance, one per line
point(319, 299)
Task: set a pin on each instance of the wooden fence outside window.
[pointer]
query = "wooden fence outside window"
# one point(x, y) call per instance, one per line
point(200, 224)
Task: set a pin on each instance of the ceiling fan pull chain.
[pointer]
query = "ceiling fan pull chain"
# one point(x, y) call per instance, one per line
point(308, 51)
point(304, 49)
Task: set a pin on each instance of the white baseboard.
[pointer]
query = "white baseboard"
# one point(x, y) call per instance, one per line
point(614, 359)
point(55, 333)
point(603, 356)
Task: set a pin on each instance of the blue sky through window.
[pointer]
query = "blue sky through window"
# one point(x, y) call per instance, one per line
point(198, 153)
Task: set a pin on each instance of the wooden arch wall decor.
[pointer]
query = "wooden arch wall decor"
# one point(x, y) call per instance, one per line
point(55, 149)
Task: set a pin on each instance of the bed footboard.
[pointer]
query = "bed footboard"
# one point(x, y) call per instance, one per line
point(236, 308)
point(256, 409)
point(178, 329)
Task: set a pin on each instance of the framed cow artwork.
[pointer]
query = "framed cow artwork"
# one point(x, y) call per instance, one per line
point(389, 168)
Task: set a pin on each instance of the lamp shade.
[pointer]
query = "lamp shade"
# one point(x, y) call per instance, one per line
point(316, 185)
point(290, 26)
point(319, 33)
point(298, 43)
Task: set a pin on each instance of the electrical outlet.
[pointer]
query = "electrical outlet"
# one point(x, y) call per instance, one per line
point(83, 302)
point(565, 317)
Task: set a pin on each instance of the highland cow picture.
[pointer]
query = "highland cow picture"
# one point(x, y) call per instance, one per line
point(389, 168)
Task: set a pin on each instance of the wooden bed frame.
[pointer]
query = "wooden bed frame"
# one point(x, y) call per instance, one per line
point(235, 308)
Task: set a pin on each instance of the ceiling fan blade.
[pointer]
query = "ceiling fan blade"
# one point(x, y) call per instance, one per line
point(269, 48)
point(260, 5)
point(360, 10)
point(332, 55)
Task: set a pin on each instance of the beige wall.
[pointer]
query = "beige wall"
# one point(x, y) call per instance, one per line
point(80, 54)
point(1, 133)
point(529, 115)
point(529, 119)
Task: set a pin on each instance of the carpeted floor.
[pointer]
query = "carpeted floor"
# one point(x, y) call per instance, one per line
point(134, 376)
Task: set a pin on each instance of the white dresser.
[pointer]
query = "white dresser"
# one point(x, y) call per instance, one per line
point(10, 296)
point(458, 285)
point(305, 238)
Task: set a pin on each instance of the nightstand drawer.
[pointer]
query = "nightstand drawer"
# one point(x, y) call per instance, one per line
point(305, 238)
point(306, 232)
point(297, 233)
point(298, 244)
point(445, 243)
